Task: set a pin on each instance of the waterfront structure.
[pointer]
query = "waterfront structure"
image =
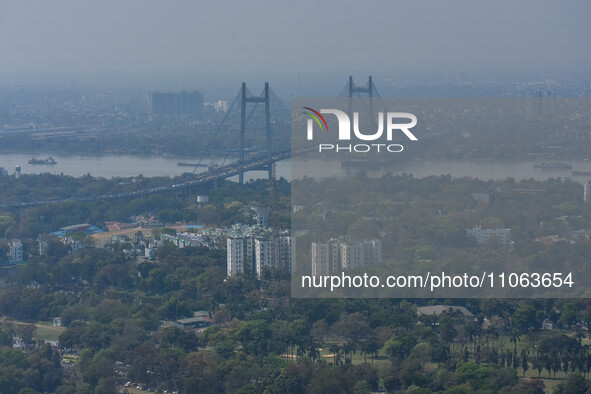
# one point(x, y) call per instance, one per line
point(3, 172)
point(587, 192)
point(483, 234)
point(16, 251)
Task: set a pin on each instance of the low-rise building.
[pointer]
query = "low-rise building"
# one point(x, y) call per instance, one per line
point(194, 322)
point(183, 239)
point(438, 310)
point(75, 228)
point(484, 234)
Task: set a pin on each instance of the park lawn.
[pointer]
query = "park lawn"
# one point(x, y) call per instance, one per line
point(48, 332)
point(358, 357)
point(45, 330)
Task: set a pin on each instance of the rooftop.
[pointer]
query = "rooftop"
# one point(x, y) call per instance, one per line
point(439, 309)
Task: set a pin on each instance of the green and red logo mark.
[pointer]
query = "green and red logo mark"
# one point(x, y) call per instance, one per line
point(317, 117)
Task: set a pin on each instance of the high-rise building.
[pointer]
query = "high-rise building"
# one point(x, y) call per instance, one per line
point(540, 102)
point(264, 255)
point(285, 253)
point(16, 251)
point(587, 192)
point(335, 256)
point(325, 257)
point(358, 254)
point(43, 245)
point(259, 254)
point(174, 104)
point(3, 172)
point(221, 106)
point(240, 255)
point(275, 253)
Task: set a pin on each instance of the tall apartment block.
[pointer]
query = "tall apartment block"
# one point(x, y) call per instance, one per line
point(259, 254)
point(336, 256)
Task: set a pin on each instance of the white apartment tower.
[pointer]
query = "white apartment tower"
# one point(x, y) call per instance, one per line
point(239, 255)
point(335, 256)
point(275, 253)
point(325, 257)
point(16, 251)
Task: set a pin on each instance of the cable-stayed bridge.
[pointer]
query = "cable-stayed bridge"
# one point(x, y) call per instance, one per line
point(258, 139)
point(222, 172)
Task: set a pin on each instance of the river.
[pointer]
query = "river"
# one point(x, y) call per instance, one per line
point(109, 166)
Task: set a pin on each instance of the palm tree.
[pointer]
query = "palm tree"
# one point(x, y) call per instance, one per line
point(579, 334)
point(349, 349)
point(491, 333)
point(335, 349)
point(372, 347)
point(515, 336)
point(365, 349)
point(313, 351)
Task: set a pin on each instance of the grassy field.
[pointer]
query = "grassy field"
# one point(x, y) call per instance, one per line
point(531, 374)
point(44, 330)
point(48, 332)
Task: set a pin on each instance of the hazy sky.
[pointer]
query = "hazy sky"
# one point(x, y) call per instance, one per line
point(192, 36)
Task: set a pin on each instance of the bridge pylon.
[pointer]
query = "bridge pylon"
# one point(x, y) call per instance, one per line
point(265, 100)
point(356, 89)
point(368, 89)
